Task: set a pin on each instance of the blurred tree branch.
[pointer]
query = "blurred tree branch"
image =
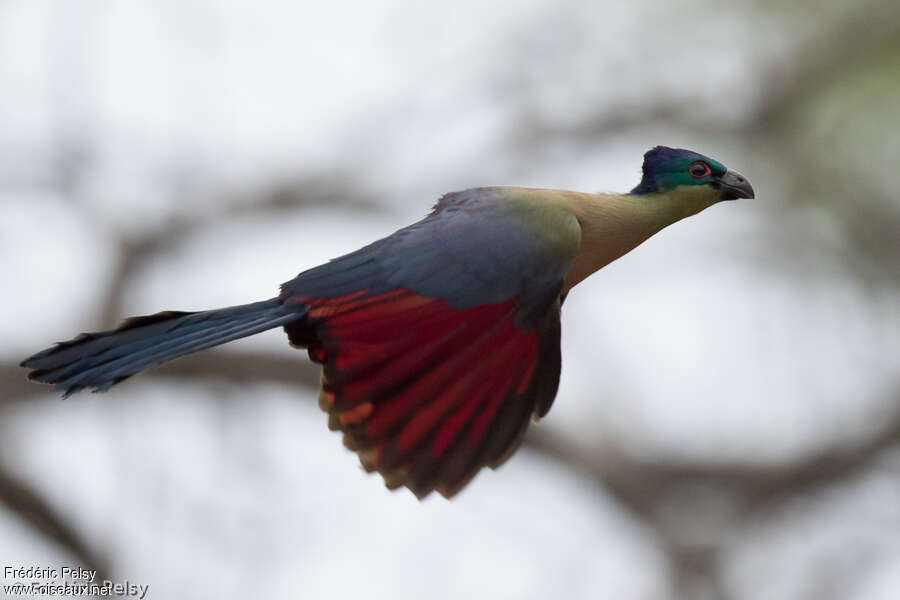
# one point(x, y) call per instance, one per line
point(27, 504)
point(331, 190)
point(861, 30)
point(636, 482)
point(639, 485)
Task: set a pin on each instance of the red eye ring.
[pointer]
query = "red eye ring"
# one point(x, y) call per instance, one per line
point(699, 169)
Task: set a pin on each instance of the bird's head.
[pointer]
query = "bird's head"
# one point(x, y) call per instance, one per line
point(690, 177)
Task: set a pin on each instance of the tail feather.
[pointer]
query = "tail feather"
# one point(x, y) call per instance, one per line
point(100, 360)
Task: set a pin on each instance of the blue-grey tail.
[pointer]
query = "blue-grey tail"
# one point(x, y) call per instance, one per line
point(101, 360)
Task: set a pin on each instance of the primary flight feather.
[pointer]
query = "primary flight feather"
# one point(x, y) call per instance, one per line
point(440, 341)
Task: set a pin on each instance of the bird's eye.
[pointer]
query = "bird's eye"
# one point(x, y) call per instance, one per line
point(699, 169)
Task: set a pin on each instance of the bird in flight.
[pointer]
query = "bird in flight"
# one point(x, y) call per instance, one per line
point(439, 342)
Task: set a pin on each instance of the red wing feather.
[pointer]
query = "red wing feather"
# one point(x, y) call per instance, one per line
point(425, 393)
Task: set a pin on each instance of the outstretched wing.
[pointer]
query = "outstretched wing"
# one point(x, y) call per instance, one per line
point(440, 341)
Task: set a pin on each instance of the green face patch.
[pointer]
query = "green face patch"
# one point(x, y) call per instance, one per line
point(668, 168)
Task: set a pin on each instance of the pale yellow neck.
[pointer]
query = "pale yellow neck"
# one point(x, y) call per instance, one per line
point(614, 224)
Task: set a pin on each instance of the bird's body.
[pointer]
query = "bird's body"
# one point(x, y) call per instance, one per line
point(440, 341)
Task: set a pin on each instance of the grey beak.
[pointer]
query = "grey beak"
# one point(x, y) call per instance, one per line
point(734, 186)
